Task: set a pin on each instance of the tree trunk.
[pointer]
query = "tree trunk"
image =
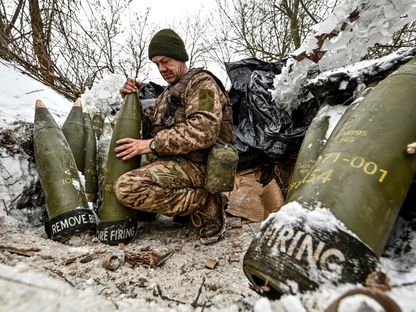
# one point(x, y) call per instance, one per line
point(294, 24)
point(40, 44)
point(291, 10)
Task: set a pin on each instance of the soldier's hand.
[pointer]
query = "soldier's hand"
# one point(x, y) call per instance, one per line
point(130, 86)
point(411, 148)
point(128, 148)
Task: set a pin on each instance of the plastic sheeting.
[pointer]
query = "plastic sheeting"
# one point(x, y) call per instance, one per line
point(149, 92)
point(260, 126)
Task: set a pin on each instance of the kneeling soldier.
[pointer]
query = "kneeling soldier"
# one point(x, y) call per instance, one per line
point(186, 120)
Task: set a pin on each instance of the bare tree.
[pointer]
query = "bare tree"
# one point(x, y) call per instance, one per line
point(196, 36)
point(135, 58)
point(6, 25)
point(41, 40)
point(268, 29)
point(69, 44)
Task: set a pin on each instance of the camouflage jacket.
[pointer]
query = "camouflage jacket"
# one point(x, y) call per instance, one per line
point(202, 117)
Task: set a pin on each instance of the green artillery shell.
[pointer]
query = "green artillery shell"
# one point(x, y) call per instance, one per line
point(351, 108)
point(362, 177)
point(312, 145)
point(117, 222)
point(298, 250)
point(90, 166)
point(102, 154)
point(364, 173)
point(73, 129)
point(67, 206)
point(97, 124)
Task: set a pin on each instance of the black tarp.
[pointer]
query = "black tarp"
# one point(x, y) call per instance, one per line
point(262, 129)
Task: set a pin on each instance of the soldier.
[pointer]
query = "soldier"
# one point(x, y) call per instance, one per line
point(189, 117)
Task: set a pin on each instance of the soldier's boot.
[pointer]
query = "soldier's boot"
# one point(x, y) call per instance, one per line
point(210, 219)
point(182, 219)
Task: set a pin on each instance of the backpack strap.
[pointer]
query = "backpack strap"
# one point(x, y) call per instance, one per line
point(217, 81)
point(175, 96)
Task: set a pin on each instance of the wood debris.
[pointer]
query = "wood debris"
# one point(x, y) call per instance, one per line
point(234, 258)
point(147, 257)
point(211, 263)
point(261, 289)
point(27, 252)
point(84, 258)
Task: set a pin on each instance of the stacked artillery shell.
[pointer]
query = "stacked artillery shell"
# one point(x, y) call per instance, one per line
point(68, 210)
point(315, 138)
point(73, 129)
point(351, 108)
point(312, 146)
point(97, 124)
point(103, 147)
point(118, 223)
point(362, 177)
point(90, 165)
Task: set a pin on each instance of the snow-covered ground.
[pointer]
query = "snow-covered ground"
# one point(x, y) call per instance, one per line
point(19, 93)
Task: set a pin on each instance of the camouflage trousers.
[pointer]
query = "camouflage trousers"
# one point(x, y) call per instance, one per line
point(169, 186)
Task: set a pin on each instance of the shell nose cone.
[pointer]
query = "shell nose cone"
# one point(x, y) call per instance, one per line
point(39, 104)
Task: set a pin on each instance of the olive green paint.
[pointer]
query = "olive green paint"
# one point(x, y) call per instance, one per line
point(127, 125)
point(312, 145)
point(73, 129)
point(362, 176)
point(90, 166)
point(97, 124)
point(56, 166)
point(364, 173)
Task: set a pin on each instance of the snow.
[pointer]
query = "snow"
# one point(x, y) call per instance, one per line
point(263, 305)
point(358, 303)
point(293, 303)
point(104, 96)
point(17, 104)
point(19, 93)
point(176, 278)
point(367, 67)
point(334, 113)
point(316, 217)
point(400, 269)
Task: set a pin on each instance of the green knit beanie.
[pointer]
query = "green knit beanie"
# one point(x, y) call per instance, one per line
point(166, 42)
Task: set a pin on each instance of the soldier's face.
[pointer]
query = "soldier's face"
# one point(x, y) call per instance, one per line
point(170, 69)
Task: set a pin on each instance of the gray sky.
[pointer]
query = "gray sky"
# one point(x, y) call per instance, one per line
point(166, 11)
